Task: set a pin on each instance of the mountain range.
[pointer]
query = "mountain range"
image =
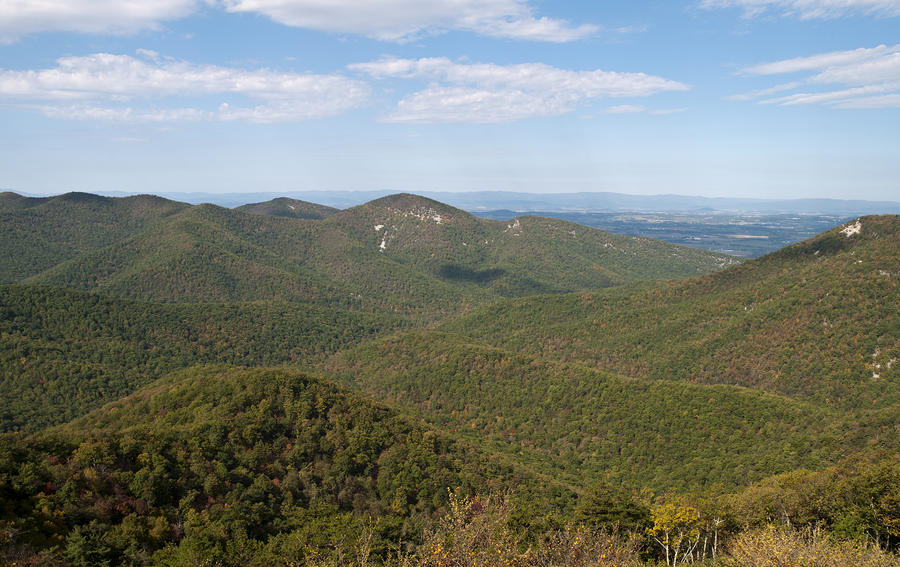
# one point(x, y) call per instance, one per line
point(400, 252)
point(595, 201)
point(186, 383)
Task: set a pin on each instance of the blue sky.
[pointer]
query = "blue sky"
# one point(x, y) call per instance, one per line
point(749, 98)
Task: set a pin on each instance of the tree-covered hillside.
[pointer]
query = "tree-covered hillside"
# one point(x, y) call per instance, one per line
point(817, 320)
point(38, 233)
point(585, 424)
point(226, 466)
point(596, 406)
point(65, 352)
point(525, 256)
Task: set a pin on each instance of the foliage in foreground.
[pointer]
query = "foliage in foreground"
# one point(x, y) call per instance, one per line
point(233, 467)
point(776, 547)
point(477, 532)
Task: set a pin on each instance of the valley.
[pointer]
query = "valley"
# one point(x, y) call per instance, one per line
point(744, 234)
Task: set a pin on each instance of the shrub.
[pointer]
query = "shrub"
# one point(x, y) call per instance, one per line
point(781, 547)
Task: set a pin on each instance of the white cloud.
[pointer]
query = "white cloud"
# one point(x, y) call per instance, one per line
point(526, 76)
point(21, 17)
point(760, 93)
point(664, 111)
point(387, 20)
point(479, 106)
point(486, 92)
point(833, 59)
point(883, 101)
point(638, 109)
point(858, 74)
point(878, 70)
point(405, 20)
point(106, 86)
point(828, 96)
point(810, 9)
point(625, 109)
point(122, 114)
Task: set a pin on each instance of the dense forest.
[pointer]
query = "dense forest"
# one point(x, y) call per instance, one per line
point(817, 320)
point(66, 352)
point(578, 421)
point(403, 383)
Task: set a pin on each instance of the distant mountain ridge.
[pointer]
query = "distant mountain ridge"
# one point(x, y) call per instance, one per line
point(401, 252)
point(38, 233)
point(556, 202)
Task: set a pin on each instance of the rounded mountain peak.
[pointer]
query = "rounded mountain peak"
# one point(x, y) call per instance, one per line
point(408, 208)
point(411, 203)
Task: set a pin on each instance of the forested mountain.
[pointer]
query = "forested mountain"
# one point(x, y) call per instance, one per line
point(534, 355)
point(285, 207)
point(402, 253)
point(204, 253)
point(66, 352)
point(38, 233)
point(222, 465)
point(524, 256)
point(817, 320)
point(583, 423)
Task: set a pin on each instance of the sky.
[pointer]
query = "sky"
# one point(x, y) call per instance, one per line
point(723, 98)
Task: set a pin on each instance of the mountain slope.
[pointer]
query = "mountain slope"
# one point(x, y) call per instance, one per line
point(204, 253)
point(207, 253)
point(219, 464)
point(64, 352)
point(817, 320)
point(581, 423)
point(525, 256)
point(38, 233)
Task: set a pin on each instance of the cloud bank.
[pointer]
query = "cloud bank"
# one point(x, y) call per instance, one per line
point(405, 20)
point(489, 93)
point(859, 78)
point(810, 9)
point(105, 86)
point(19, 18)
point(386, 20)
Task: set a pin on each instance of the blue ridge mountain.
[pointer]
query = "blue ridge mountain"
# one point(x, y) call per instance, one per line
point(402, 252)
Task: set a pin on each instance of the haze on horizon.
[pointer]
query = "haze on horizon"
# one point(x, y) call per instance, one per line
point(719, 98)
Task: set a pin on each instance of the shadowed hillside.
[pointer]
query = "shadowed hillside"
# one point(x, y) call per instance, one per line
point(65, 352)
